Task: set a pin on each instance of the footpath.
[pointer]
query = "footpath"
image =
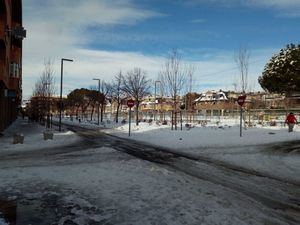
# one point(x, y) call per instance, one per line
point(33, 137)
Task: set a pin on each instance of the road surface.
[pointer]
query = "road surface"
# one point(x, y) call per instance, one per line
point(40, 202)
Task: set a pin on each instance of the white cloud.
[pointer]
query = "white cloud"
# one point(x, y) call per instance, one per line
point(275, 3)
point(287, 8)
point(198, 21)
point(86, 12)
point(220, 71)
point(55, 29)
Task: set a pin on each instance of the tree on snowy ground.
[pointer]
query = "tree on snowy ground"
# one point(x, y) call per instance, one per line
point(241, 58)
point(188, 100)
point(95, 98)
point(118, 94)
point(174, 76)
point(75, 100)
point(80, 99)
point(105, 89)
point(44, 90)
point(136, 85)
point(282, 73)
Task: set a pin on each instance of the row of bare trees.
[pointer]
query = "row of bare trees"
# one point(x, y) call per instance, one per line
point(133, 84)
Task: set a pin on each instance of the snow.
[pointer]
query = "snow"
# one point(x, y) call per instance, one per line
point(2, 221)
point(105, 186)
point(221, 142)
point(133, 191)
point(33, 137)
point(222, 135)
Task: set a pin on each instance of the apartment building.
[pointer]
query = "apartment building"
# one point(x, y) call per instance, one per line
point(11, 36)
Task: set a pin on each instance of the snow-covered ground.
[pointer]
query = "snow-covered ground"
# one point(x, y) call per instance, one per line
point(222, 142)
point(225, 134)
point(104, 186)
point(33, 137)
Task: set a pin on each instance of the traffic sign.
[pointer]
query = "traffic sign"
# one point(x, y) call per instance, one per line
point(241, 100)
point(130, 103)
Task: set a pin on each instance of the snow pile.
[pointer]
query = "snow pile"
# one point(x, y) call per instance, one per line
point(33, 137)
point(226, 135)
point(222, 143)
point(2, 221)
point(82, 212)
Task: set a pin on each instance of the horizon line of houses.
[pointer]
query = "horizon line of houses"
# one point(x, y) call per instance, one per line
point(211, 102)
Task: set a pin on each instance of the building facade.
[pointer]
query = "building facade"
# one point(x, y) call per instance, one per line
point(11, 36)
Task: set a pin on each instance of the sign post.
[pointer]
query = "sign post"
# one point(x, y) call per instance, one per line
point(241, 101)
point(130, 104)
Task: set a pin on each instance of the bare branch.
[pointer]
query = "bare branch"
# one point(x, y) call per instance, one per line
point(241, 58)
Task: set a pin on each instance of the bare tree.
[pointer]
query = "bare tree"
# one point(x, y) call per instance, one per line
point(241, 58)
point(118, 93)
point(105, 89)
point(137, 86)
point(44, 90)
point(174, 76)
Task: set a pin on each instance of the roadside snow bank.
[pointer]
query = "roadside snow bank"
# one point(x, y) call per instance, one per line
point(205, 137)
point(257, 150)
point(33, 137)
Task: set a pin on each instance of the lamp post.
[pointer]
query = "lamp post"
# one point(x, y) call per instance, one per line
point(98, 100)
point(155, 98)
point(61, 88)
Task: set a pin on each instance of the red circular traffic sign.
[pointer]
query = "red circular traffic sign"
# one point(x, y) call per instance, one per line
point(130, 103)
point(241, 100)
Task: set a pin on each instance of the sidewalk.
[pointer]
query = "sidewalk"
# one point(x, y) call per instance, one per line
point(33, 137)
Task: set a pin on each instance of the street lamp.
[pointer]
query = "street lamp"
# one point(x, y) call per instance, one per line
point(61, 88)
point(155, 98)
point(98, 100)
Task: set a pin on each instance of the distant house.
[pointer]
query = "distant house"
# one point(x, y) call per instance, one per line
point(214, 103)
point(212, 96)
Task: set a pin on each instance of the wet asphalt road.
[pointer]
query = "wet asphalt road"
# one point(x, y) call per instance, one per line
point(280, 197)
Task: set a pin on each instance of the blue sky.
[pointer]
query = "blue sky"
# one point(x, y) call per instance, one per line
point(198, 26)
point(104, 37)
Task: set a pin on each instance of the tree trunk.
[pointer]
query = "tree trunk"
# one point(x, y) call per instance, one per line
point(137, 113)
point(77, 112)
point(117, 113)
point(92, 113)
point(175, 113)
point(102, 109)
